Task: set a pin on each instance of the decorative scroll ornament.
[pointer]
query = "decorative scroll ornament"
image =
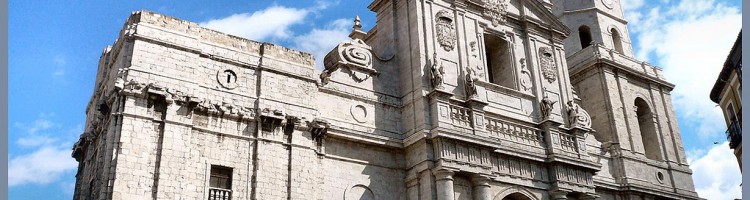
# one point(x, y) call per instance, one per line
point(547, 63)
point(577, 116)
point(546, 107)
point(353, 57)
point(446, 34)
point(495, 10)
point(436, 72)
point(525, 76)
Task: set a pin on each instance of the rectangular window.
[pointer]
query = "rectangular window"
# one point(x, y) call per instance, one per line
point(220, 183)
point(499, 61)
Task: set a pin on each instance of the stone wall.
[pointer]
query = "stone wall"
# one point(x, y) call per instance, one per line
point(404, 111)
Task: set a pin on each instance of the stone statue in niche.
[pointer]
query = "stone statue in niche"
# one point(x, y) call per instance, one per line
point(446, 34)
point(495, 10)
point(546, 107)
point(525, 76)
point(436, 71)
point(471, 88)
point(547, 63)
point(577, 116)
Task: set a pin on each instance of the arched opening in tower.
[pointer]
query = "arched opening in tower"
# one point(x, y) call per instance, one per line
point(616, 40)
point(647, 126)
point(584, 34)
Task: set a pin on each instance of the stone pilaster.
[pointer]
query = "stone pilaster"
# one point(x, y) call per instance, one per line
point(552, 136)
point(444, 184)
point(477, 110)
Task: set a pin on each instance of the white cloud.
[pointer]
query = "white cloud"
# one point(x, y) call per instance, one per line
point(35, 141)
point(320, 41)
point(40, 124)
point(275, 24)
point(49, 158)
point(691, 40)
point(632, 4)
point(717, 175)
point(271, 23)
point(43, 166)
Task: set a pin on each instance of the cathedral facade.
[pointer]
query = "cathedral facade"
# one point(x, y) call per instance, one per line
point(440, 100)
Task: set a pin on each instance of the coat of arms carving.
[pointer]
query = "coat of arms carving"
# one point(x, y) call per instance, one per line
point(547, 63)
point(446, 34)
point(495, 10)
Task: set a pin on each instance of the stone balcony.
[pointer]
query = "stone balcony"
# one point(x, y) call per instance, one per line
point(472, 125)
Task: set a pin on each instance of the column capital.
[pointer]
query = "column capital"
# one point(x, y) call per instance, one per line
point(558, 194)
point(441, 174)
point(480, 180)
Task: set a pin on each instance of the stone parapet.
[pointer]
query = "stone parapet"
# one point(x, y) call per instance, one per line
point(595, 53)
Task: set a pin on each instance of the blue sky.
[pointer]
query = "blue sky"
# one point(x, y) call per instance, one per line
point(54, 47)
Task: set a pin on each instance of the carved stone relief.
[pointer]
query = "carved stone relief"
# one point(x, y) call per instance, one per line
point(547, 63)
point(436, 71)
point(478, 68)
point(470, 85)
point(495, 10)
point(355, 57)
point(445, 29)
point(525, 76)
point(577, 116)
point(546, 107)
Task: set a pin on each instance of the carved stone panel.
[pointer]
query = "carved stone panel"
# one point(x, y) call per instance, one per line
point(547, 63)
point(525, 76)
point(495, 10)
point(445, 29)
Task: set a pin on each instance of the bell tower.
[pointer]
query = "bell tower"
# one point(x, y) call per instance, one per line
point(629, 102)
point(597, 21)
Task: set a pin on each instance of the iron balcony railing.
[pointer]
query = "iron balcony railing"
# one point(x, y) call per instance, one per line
point(734, 134)
point(219, 194)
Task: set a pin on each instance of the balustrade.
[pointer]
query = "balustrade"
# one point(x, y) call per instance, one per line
point(219, 194)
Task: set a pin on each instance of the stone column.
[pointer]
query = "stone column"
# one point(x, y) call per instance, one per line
point(481, 187)
point(558, 195)
point(444, 184)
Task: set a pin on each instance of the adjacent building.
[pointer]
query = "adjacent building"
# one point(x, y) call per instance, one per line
point(727, 92)
point(440, 100)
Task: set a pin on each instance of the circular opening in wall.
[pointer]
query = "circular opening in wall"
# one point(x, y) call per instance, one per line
point(227, 78)
point(359, 113)
point(660, 177)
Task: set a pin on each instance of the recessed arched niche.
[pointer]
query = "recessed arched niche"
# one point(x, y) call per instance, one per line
point(359, 192)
